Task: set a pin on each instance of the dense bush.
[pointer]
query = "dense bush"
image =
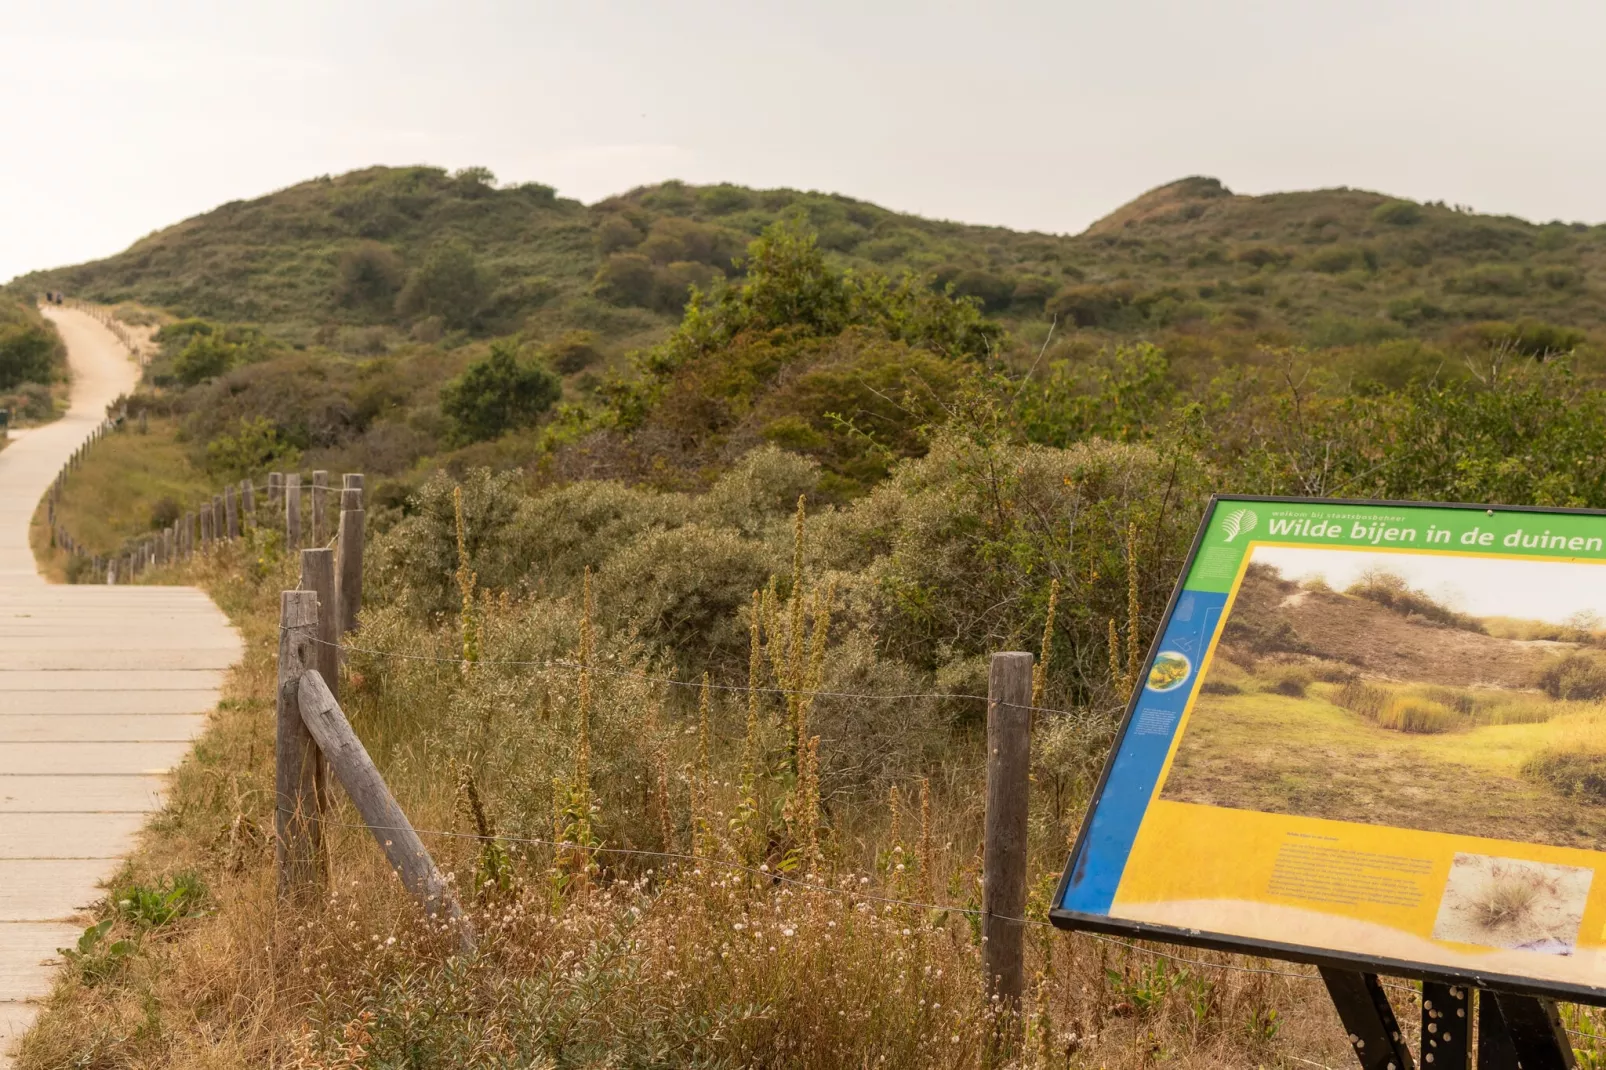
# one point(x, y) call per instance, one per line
point(1576, 675)
point(498, 394)
point(368, 275)
point(29, 348)
point(449, 283)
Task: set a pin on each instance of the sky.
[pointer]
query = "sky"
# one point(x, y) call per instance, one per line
point(1550, 591)
point(124, 117)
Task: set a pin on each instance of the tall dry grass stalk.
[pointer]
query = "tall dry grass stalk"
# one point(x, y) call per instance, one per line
point(1134, 622)
point(467, 580)
point(1040, 670)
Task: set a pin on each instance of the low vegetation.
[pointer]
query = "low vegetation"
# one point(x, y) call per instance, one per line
point(32, 361)
point(798, 444)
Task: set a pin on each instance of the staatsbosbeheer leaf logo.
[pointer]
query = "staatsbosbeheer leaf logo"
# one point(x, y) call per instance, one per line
point(1238, 522)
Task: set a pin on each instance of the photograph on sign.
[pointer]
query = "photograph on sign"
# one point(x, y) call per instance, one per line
point(1374, 732)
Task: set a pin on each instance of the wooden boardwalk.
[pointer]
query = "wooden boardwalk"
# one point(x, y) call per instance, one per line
point(101, 691)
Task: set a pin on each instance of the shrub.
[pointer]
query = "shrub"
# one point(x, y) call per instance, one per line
point(1489, 279)
point(1398, 213)
point(672, 241)
point(626, 279)
point(684, 588)
point(617, 233)
point(673, 284)
point(449, 283)
point(1574, 675)
point(29, 348)
point(993, 291)
point(1390, 590)
point(165, 512)
point(1032, 293)
point(368, 274)
point(1531, 338)
point(1288, 680)
point(1363, 698)
point(1407, 713)
point(574, 352)
point(1575, 774)
point(207, 356)
point(1092, 305)
point(1335, 259)
point(254, 446)
point(497, 395)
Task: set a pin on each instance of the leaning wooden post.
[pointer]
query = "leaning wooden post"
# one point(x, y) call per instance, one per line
point(292, 510)
point(320, 494)
point(275, 489)
point(1003, 894)
point(318, 576)
point(349, 570)
point(231, 512)
point(377, 806)
point(297, 813)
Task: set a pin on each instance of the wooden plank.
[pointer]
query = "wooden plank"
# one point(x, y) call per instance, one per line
point(90, 759)
point(105, 728)
point(51, 889)
point(152, 702)
point(68, 835)
point(110, 680)
point(348, 571)
point(121, 660)
point(80, 794)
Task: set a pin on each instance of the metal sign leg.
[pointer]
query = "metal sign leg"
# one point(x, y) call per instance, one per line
point(1446, 1027)
point(1374, 1034)
point(1534, 1037)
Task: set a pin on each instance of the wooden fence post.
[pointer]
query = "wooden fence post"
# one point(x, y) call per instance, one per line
point(318, 576)
point(297, 808)
point(248, 502)
point(1003, 896)
point(275, 489)
point(220, 529)
point(320, 494)
point(206, 528)
point(377, 806)
point(349, 571)
point(231, 512)
point(187, 537)
point(292, 510)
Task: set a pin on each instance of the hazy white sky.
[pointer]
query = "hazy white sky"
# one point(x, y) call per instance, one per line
point(122, 117)
point(1482, 586)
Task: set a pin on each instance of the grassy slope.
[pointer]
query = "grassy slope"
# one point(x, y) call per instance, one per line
point(1238, 753)
point(110, 498)
point(1322, 264)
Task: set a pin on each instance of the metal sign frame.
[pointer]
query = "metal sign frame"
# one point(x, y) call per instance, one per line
point(1509, 986)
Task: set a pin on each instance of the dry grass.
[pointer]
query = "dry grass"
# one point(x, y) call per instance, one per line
point(655, 962)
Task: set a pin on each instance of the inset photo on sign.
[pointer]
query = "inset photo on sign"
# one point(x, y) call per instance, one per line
point(1440, 691)
point(1512, 903)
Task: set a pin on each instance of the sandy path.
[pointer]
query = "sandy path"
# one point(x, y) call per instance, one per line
point(101, 691)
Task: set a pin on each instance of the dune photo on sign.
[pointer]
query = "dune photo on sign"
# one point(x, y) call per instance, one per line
point(1443, 692)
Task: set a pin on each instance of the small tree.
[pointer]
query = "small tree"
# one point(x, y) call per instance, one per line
point(206, 357)
point(497, 395)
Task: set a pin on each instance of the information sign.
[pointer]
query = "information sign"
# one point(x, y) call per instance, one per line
point(1371, 736)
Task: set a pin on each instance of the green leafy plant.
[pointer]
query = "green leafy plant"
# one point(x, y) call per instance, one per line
point(152, 906)
point(95, 960)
